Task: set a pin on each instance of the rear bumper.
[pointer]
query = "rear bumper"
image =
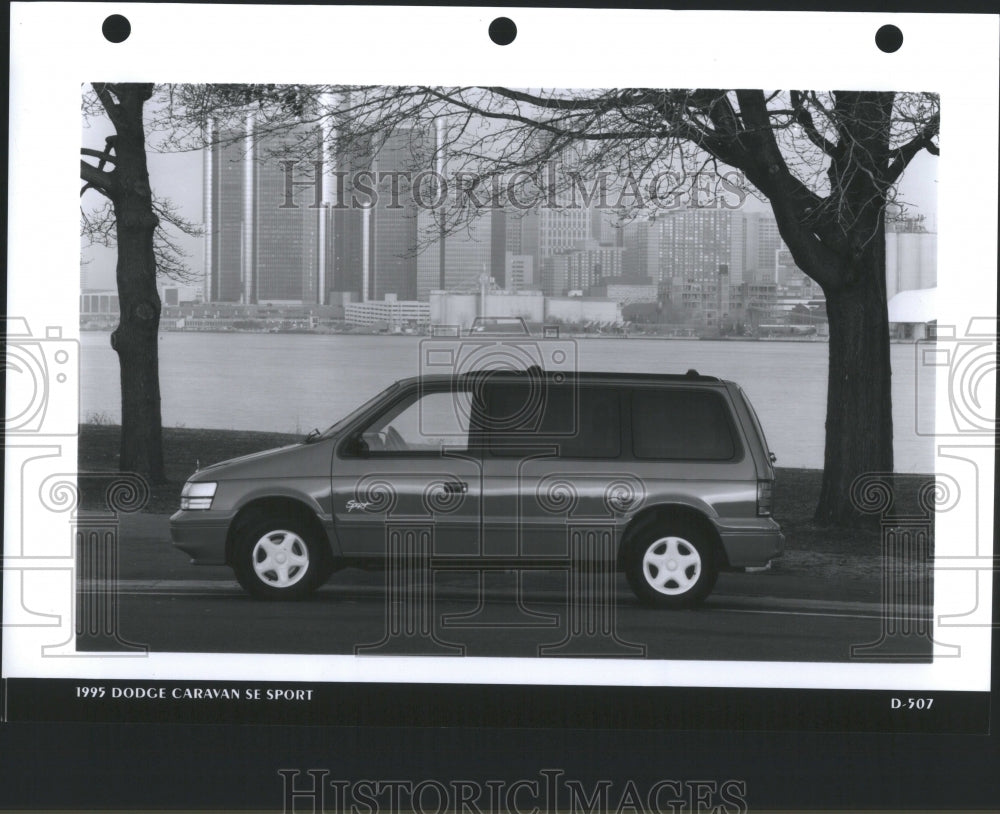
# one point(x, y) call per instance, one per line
point(201, 538)
point(753, 547)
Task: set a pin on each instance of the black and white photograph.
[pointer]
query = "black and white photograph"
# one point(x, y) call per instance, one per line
point(648, 392)
point(592, 340)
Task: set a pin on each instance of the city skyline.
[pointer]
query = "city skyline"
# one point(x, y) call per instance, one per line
point(173, 175)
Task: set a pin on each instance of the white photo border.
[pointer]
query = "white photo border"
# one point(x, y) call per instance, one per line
point(57, 47)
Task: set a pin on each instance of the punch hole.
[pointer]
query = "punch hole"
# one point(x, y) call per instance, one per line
point(889, 39)
point(503, 31)
point(116, 28)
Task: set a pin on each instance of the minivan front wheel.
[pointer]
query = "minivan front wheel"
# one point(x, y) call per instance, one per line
point(671, 567)
point(278, 558)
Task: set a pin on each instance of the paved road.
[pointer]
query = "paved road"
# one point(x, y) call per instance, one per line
point(169, 605)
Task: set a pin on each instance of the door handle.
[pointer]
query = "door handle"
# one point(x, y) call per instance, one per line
point(455, 487)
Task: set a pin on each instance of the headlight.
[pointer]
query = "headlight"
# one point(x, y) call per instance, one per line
point(197, 495)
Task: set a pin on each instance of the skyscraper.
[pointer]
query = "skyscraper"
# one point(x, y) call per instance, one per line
point(286, 229)
point(756, 243)
point(225, 172)
point(691, 244)
point(464, 254)
point(345, 254)
point(393, 222)
point(694, 243)
point(263, 233)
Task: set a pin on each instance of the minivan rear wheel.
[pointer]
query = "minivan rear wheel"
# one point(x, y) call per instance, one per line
point(671, 567)
point(278, 558)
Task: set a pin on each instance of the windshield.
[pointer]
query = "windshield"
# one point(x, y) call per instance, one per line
point(338, 426)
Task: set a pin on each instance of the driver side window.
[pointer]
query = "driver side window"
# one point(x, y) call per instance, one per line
point(428, 423)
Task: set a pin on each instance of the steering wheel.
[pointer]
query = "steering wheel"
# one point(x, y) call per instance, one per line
point(393, 440)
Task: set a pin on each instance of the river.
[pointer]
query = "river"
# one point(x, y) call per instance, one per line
point(294, 382)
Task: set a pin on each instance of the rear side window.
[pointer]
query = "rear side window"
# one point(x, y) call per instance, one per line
point(581, 422)
point(681, 424)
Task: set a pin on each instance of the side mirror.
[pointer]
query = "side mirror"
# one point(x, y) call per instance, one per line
point(358, 446)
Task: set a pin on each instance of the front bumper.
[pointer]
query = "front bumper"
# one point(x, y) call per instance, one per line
point(202, 538)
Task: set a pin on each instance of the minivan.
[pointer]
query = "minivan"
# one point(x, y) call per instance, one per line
point(497, 468)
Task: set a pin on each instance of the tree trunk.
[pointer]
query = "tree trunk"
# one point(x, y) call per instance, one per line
point(137, 336)
point(859, 394)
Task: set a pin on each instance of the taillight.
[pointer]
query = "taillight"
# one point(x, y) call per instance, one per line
point(765, 497)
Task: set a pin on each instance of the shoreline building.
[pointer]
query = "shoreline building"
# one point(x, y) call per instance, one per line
point(910, 256)
point(390, 311)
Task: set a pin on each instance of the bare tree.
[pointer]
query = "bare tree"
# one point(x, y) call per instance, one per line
point(120, 174)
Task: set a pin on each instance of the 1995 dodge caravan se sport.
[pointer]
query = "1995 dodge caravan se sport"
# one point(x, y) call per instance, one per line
point(669, 474)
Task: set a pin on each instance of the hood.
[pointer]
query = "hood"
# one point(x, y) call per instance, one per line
point(289, 461)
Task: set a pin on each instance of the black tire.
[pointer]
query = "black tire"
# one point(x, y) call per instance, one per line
point(300, 561)
point(671, 566)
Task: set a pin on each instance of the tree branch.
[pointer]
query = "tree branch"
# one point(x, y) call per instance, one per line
point(102, 181)
point(802, 117)
point(906, 153)
point(103, 156)
point(812, 245)
point(555, 102)
point(103, 91)
point(536, 123)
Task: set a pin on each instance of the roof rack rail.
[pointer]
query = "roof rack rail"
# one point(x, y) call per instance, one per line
point(536, 371)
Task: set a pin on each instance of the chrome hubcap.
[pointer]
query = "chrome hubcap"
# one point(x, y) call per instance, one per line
point(280, 558)
point(671, 565)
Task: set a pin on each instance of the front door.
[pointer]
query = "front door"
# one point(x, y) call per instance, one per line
point(412, 473)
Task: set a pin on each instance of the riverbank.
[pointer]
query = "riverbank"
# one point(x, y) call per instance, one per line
point(796, 490)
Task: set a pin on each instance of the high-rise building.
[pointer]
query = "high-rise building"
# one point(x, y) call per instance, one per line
point(393, 228)
point(756, 243)
point(547, 231)
point(345, 253)
point(580, 268)
point(285, 232)
point(693, 243)
point(263, 235)
point(642, 250)
point(456, 260)
point(606, 228)
point(560, 229)
point(225, 173)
